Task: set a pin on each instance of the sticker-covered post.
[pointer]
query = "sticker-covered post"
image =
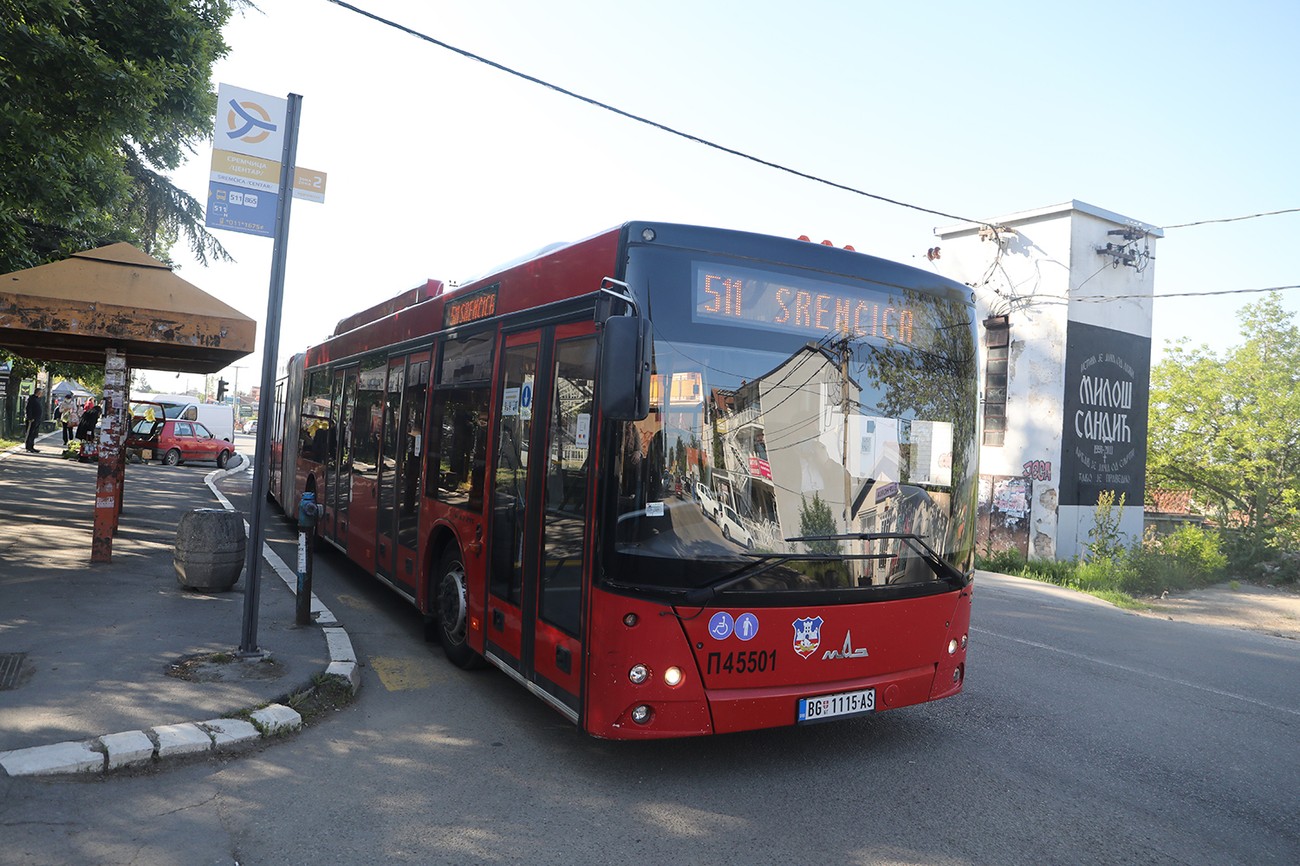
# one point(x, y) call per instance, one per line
point(112, 459)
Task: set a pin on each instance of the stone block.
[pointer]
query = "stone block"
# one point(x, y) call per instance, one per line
point(276, 719)
point(185, 738)
point(229, 733)
point(348, 671)
point(53, 760)
point(127, 749)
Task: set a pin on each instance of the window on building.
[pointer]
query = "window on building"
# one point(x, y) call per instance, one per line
point(997, 344)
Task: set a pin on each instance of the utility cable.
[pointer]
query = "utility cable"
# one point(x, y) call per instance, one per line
point(1235, 219)
point(639, 119)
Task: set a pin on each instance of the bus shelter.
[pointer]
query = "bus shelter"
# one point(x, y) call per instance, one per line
point(120, 307)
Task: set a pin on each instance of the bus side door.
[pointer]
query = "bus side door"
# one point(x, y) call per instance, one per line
point(539, 525)
point(338, 468)
point(399, 469)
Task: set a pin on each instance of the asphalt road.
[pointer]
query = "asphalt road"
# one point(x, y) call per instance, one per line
point(1084, 735)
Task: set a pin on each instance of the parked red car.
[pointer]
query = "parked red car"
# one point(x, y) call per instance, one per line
point(174, 441)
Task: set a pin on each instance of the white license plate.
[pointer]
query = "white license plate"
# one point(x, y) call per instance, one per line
point(836, 706)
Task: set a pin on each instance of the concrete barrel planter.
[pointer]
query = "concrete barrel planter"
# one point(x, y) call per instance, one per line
point(210, 547)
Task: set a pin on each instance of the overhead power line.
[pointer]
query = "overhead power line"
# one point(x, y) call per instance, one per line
point(733, 151)
point(1236, 219)
point(1101, 298)
point(639, 119)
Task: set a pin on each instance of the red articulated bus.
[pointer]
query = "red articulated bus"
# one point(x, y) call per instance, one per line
point(674, 480)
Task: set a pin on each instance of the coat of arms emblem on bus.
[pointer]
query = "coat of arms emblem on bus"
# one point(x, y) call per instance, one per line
point(807, 635)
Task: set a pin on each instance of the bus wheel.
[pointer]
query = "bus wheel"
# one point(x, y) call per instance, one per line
point(453, 612)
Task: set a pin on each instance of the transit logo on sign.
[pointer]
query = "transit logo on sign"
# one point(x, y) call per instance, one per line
point(249, 122)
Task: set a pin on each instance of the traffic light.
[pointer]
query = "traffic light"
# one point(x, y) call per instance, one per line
point(221, 390)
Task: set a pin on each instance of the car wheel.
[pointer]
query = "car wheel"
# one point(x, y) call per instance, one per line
point(453, 612)
point(172, 457)
point(222, 459)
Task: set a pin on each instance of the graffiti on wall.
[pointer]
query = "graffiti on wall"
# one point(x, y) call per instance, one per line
point(1038, 470)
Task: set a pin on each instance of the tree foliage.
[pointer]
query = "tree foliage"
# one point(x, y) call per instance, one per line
point(1225, 427)
point(98, 98)
point(816, 518)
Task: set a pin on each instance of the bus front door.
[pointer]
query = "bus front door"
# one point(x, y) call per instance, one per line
point(539, 517)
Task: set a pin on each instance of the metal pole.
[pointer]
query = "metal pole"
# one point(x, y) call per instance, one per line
point(266, 400)
point(308, 512)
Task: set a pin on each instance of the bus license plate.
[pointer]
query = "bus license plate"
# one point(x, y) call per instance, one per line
point(835, 706)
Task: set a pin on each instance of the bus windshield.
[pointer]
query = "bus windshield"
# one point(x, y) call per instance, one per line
point(803, 426)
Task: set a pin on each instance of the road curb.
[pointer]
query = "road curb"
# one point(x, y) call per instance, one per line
point(137, 748)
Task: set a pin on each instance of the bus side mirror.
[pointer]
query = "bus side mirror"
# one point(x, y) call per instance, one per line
point(625, 369)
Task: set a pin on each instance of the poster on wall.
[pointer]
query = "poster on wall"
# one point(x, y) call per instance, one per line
point(1104, 440)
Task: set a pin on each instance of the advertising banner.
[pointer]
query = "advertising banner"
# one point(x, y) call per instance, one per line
point(1104, 440)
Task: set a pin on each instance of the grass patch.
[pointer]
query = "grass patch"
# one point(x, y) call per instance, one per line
point(326, 694)
point(1120, 599)
point(1188, 558)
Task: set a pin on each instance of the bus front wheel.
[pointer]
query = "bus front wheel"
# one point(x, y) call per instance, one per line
point(453, 612)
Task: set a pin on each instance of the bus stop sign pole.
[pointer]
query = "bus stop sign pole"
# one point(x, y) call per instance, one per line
point(266, 400)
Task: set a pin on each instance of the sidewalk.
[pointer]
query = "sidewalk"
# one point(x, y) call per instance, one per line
point(86, 649)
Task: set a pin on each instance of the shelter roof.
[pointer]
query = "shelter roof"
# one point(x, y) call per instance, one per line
point(119, 297)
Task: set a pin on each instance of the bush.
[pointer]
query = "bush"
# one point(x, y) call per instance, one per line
point(1099, 575)
point(1197, 552)
point(1186, 559)
point(1149, 571)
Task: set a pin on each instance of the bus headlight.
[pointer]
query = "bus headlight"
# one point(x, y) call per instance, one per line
point(673, 676)
point(641, 714)
point(952, 646)
point(638, 674)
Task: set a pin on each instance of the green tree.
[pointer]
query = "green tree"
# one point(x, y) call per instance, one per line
point(1225, 427)
point(97, 99)
point(815, 518)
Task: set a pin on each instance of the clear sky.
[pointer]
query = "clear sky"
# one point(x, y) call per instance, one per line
point(440, 166)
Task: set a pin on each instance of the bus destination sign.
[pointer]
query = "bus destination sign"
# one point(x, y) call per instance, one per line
point(747, 298)
point(480, 305)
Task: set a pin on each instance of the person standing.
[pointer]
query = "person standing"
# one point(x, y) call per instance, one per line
point(68, 416)
point(35, 415)
point(89, 418)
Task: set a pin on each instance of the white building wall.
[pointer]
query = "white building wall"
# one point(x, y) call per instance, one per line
point(1044, 274)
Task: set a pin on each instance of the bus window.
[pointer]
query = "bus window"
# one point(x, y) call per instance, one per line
point(510, 472)
point(315, 423)
point(457, 433)
point(367, 417)
point(569, 440)
point(408, 507)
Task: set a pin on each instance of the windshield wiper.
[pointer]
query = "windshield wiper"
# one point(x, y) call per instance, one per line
point(702, 595)
point(943, 569)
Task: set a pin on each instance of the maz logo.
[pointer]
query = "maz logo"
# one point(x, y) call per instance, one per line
point(848, 652)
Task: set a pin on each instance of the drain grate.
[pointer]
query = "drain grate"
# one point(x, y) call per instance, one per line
point(10, 665)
